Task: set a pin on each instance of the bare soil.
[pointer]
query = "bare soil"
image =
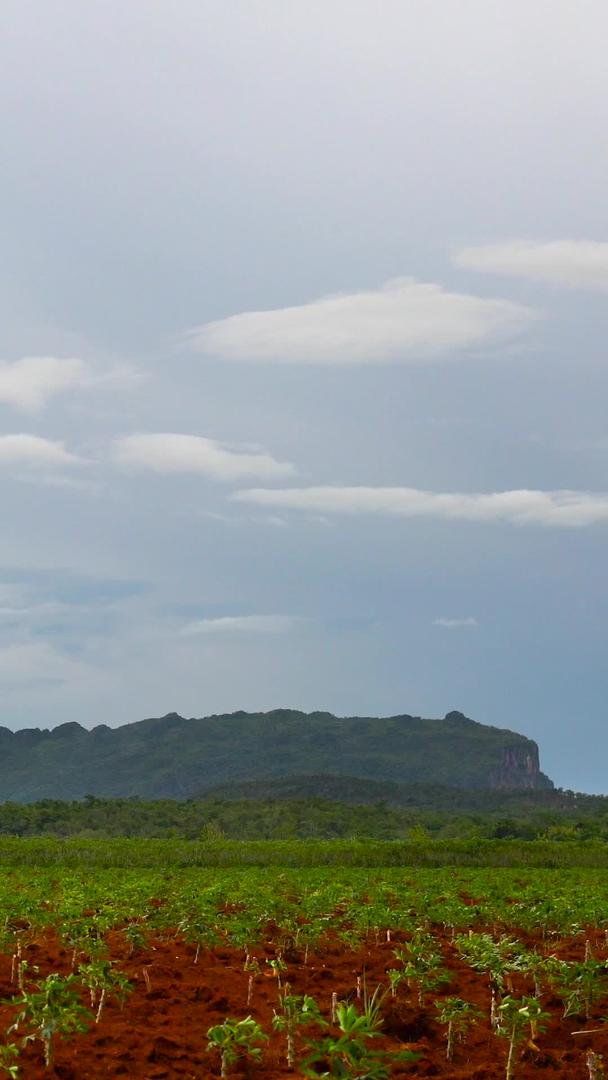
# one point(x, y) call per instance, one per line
point(161, 1032)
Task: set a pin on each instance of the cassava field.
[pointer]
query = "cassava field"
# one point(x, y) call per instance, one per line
point(197, 972)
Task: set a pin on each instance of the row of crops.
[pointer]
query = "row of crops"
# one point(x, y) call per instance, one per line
point(345, 973)
point(232, 905)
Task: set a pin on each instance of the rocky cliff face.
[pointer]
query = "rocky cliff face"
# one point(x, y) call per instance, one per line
point(519, 767)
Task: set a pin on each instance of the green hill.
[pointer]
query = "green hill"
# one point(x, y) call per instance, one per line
point(172, 757)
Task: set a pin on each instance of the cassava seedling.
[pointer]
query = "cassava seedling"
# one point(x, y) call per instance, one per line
point(422, 965)
point(253, 967)
point(500, 959)
point(9, 1059)
point(54, 1008)
point(517, 1014)
point(84, 938)
point(135, 937)
point(102, 980)
point(580, 984)
point(348, 1054)
point(277, 966)
point(395, 977)
point(297, 1011)
point(458, 1015)
point(234, 1039)
point(199, 933)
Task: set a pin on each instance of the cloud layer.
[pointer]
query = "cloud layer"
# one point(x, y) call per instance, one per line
point(29, 383)
point(558, 508)
point(576, 264)
point(33, 452)
point(173, 453)
point(239, 624)
point(455, 624)
point(35, 663)
point(402, 321)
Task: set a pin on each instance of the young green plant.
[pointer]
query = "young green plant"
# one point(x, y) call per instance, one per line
point(298, 1011)
point(348, 1054)
point(103, 980)
point(53, 1008)
point(9, 1060)
point(515, 1015)
point(458, 1015)
point(234, 1039)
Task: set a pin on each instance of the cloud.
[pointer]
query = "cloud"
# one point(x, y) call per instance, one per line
point(29, 383)
point(33, 452)
point(576, 264)
point(568, 509)
point(36, 664)
point(120, 377)
point(238, 624)
point(402, 321)
point(454, 624)
point(171, 453)
point(69, 586)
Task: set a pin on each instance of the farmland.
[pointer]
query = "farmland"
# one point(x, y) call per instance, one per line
point(183, 971)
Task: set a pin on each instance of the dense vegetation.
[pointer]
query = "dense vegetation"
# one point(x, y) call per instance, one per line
point(172, 757)
point(234, 904)
point(417, 811)
point(87, 854)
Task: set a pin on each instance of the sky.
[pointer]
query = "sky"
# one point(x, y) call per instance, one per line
point(304, 369)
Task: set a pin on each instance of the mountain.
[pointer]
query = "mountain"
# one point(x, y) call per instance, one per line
point(172, 757)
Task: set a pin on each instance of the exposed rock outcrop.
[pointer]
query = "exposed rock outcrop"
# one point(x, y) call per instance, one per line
point(519, 767)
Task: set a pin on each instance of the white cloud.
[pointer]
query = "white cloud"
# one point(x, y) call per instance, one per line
point(238, 624)
point(576, 264)
point(29, 383)
point(35, 663)
point(172, 453)
point(33, 452)
point(455, 624)
point(402, 321)
point(557, 508)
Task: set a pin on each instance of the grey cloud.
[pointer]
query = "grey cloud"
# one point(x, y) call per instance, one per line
point(215, 159)
point(242, 624)
point(451, 623)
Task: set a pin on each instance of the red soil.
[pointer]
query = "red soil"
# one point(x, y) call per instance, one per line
point(161, 1032)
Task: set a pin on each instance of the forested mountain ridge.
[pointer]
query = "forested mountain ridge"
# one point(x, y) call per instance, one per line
point(174, 757)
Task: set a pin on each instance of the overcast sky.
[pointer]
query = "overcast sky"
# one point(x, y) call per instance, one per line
point(304, 368)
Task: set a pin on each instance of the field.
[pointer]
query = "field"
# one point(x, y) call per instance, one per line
point(508, 966)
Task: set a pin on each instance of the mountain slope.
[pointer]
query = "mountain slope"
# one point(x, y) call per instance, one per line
point(172, 757)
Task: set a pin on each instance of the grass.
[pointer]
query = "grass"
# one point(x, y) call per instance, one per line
point(127, 852)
